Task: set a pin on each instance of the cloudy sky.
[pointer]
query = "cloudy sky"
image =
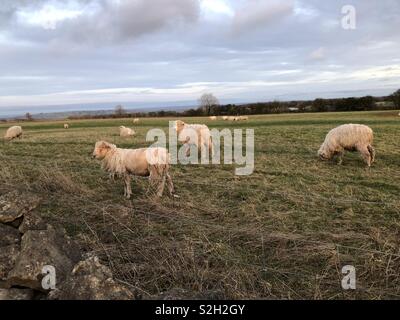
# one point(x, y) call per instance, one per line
point(58, 52)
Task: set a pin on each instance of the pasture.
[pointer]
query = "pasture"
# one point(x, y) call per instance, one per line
point(283, 232)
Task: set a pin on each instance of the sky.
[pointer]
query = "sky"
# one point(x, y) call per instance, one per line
point(60, 52)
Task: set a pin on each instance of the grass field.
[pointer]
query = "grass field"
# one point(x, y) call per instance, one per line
point(282, 233)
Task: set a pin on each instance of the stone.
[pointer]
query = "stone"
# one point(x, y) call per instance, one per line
point(8, 257)
point(90, 280)
point(13, 205)
point(8, 235)
point(16, 294)
point(32, 221)
point(38, 249)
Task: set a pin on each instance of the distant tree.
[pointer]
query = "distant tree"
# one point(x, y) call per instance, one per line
point(207, 102)
point(120, 110)
point(28, 116)
point(318, 105)
point(395, 97)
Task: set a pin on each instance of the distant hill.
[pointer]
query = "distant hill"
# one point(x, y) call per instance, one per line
point(91, 110)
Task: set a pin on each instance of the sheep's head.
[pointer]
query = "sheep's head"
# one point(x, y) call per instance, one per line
point(324, 154)
point(101, 149)
point(178, 125)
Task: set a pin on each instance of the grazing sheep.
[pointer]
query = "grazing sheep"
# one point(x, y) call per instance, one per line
point(204, 140)
point(126, 132)
point(145, 162)
point(225, 118)
point(243, 118)
point(13, 132)
point(213, 118)
point(350, 137)
point(231, 118)
point(66, 126)
point(136, 120)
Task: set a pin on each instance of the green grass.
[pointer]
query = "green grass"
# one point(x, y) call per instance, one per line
point(282, 233)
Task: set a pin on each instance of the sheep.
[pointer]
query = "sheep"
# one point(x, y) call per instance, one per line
point(243, 118)
point(185, 131)
point(13, 132)
point(350, 137)
point(225, 118)
point(213, 118)
point(145, 162)
point(126, 132)
point(66, 126)
point(136, 120)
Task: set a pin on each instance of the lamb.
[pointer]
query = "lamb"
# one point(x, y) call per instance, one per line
point(145, 162)
point(213, 118)
point(201, 131)
point(66, 126)
point(13, 133)
point(126, 132)
point(350, 137)
point(136, 120)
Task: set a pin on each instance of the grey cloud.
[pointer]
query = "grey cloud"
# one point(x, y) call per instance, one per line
point(141, 45)
point(112, 21)
point(258, 13)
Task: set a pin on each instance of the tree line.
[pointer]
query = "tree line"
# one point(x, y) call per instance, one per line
point(209, 105)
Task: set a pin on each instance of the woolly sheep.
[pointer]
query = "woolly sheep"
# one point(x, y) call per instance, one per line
point(126, 132)
point(202, 133)
point(349, 137)
point(13, 132)
point(145, 162)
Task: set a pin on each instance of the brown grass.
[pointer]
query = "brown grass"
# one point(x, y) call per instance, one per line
point(283, 233)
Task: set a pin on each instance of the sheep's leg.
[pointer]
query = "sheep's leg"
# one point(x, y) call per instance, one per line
point(161, 187)
point(365, 154)
point(170, 184)
point(125, 191)
point(128, 188)
point(211, 147)
point(156, 182)
point(372, 153)
point(187, 149)
point(340, 157)
point(154, 178)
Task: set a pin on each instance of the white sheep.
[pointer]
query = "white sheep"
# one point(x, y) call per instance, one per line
point(66, 126)
point(196, 134)
point(136, 120)
point(213, 118)
point(145, 162)
point(13, 133)
point(349, 137)
point(126, 132)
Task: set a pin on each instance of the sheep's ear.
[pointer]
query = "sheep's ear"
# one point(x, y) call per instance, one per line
point(105, 145)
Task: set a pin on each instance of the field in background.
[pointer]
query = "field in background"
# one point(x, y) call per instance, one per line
point(283, 232)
